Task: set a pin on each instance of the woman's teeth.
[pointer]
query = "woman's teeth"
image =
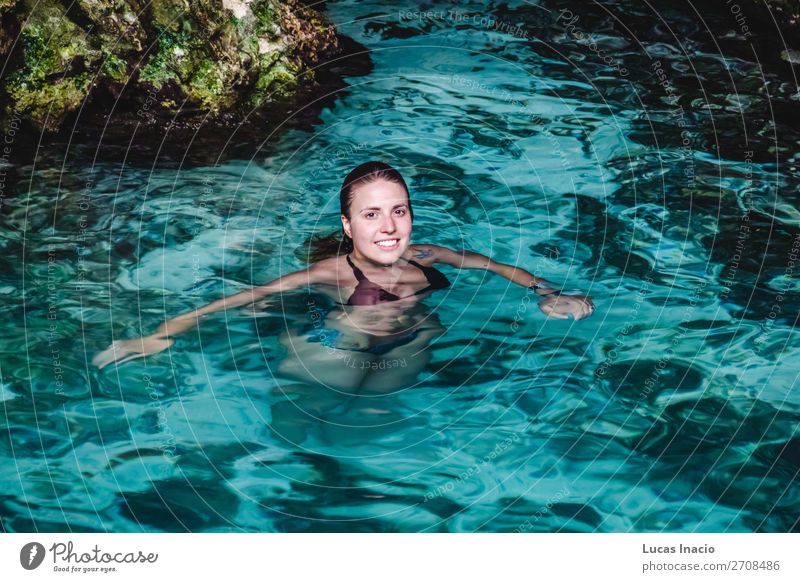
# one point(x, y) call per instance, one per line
point(387, 244)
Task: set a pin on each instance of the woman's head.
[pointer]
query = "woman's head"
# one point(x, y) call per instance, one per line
point(376, 212)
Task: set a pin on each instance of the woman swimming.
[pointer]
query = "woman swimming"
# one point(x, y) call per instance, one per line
point(377, 278)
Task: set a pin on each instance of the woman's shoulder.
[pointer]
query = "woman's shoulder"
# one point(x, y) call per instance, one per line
point(328, 270)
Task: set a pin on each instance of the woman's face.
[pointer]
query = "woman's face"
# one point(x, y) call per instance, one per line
point(380, 221)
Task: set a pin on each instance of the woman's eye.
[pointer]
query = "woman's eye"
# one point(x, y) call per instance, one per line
point(369, 215)
point(400, 211)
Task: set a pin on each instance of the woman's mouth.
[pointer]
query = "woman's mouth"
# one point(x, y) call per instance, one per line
point(388, 244)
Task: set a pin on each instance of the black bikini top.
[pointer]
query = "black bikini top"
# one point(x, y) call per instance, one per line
point(369, 293)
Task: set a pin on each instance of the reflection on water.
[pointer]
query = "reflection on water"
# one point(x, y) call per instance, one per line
point(668, 193)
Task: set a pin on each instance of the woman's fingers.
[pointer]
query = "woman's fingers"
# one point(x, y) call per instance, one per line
point(102, 359)
point(564, 306)
point(108, 355)
point(590, 306)
point(122, 351)
point(551, 312)
point(586, 308)
point(131, 357)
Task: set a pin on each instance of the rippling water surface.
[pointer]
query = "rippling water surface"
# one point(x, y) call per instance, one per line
point(662, 180)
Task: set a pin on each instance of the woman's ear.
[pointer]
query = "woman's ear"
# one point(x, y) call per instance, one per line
point(346, 225)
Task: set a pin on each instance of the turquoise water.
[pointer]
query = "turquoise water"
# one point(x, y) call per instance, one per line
point(662, 181)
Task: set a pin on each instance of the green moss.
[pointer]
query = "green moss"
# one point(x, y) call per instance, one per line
point(277, 74)
point(169, 60)
point(50, 41)
point(41, 88)
point(115, 26)
point(170, 15)
point(264, 13)
point(202, 53)
point(207, 86)
point(47, 104)
point(276, 83)
point(184, 62)
point(115, 68)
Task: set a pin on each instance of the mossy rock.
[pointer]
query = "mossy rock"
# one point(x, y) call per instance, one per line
point(204, 57)
point(52, 80)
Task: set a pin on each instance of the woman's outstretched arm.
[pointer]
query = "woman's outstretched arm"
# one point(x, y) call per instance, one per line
point(553, 303)
point(124, 350)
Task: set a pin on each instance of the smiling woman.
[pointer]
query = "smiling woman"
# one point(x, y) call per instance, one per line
point(377, 278)
point(364, 178)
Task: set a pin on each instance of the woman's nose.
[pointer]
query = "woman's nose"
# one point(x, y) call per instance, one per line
point(388, 225)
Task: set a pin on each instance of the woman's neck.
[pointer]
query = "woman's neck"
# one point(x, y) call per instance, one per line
point(366, 261)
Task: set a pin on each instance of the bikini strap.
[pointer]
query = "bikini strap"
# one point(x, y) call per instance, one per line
point(434, 276)
point(356, 271)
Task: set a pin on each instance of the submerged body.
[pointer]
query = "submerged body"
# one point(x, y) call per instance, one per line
point(372, 341)
point(375, 324)
point(385, 307)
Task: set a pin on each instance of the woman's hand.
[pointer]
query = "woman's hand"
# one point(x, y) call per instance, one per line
point(125, 350)
point(562, 306)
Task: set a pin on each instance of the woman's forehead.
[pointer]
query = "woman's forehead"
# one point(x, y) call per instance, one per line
point(378, 194)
